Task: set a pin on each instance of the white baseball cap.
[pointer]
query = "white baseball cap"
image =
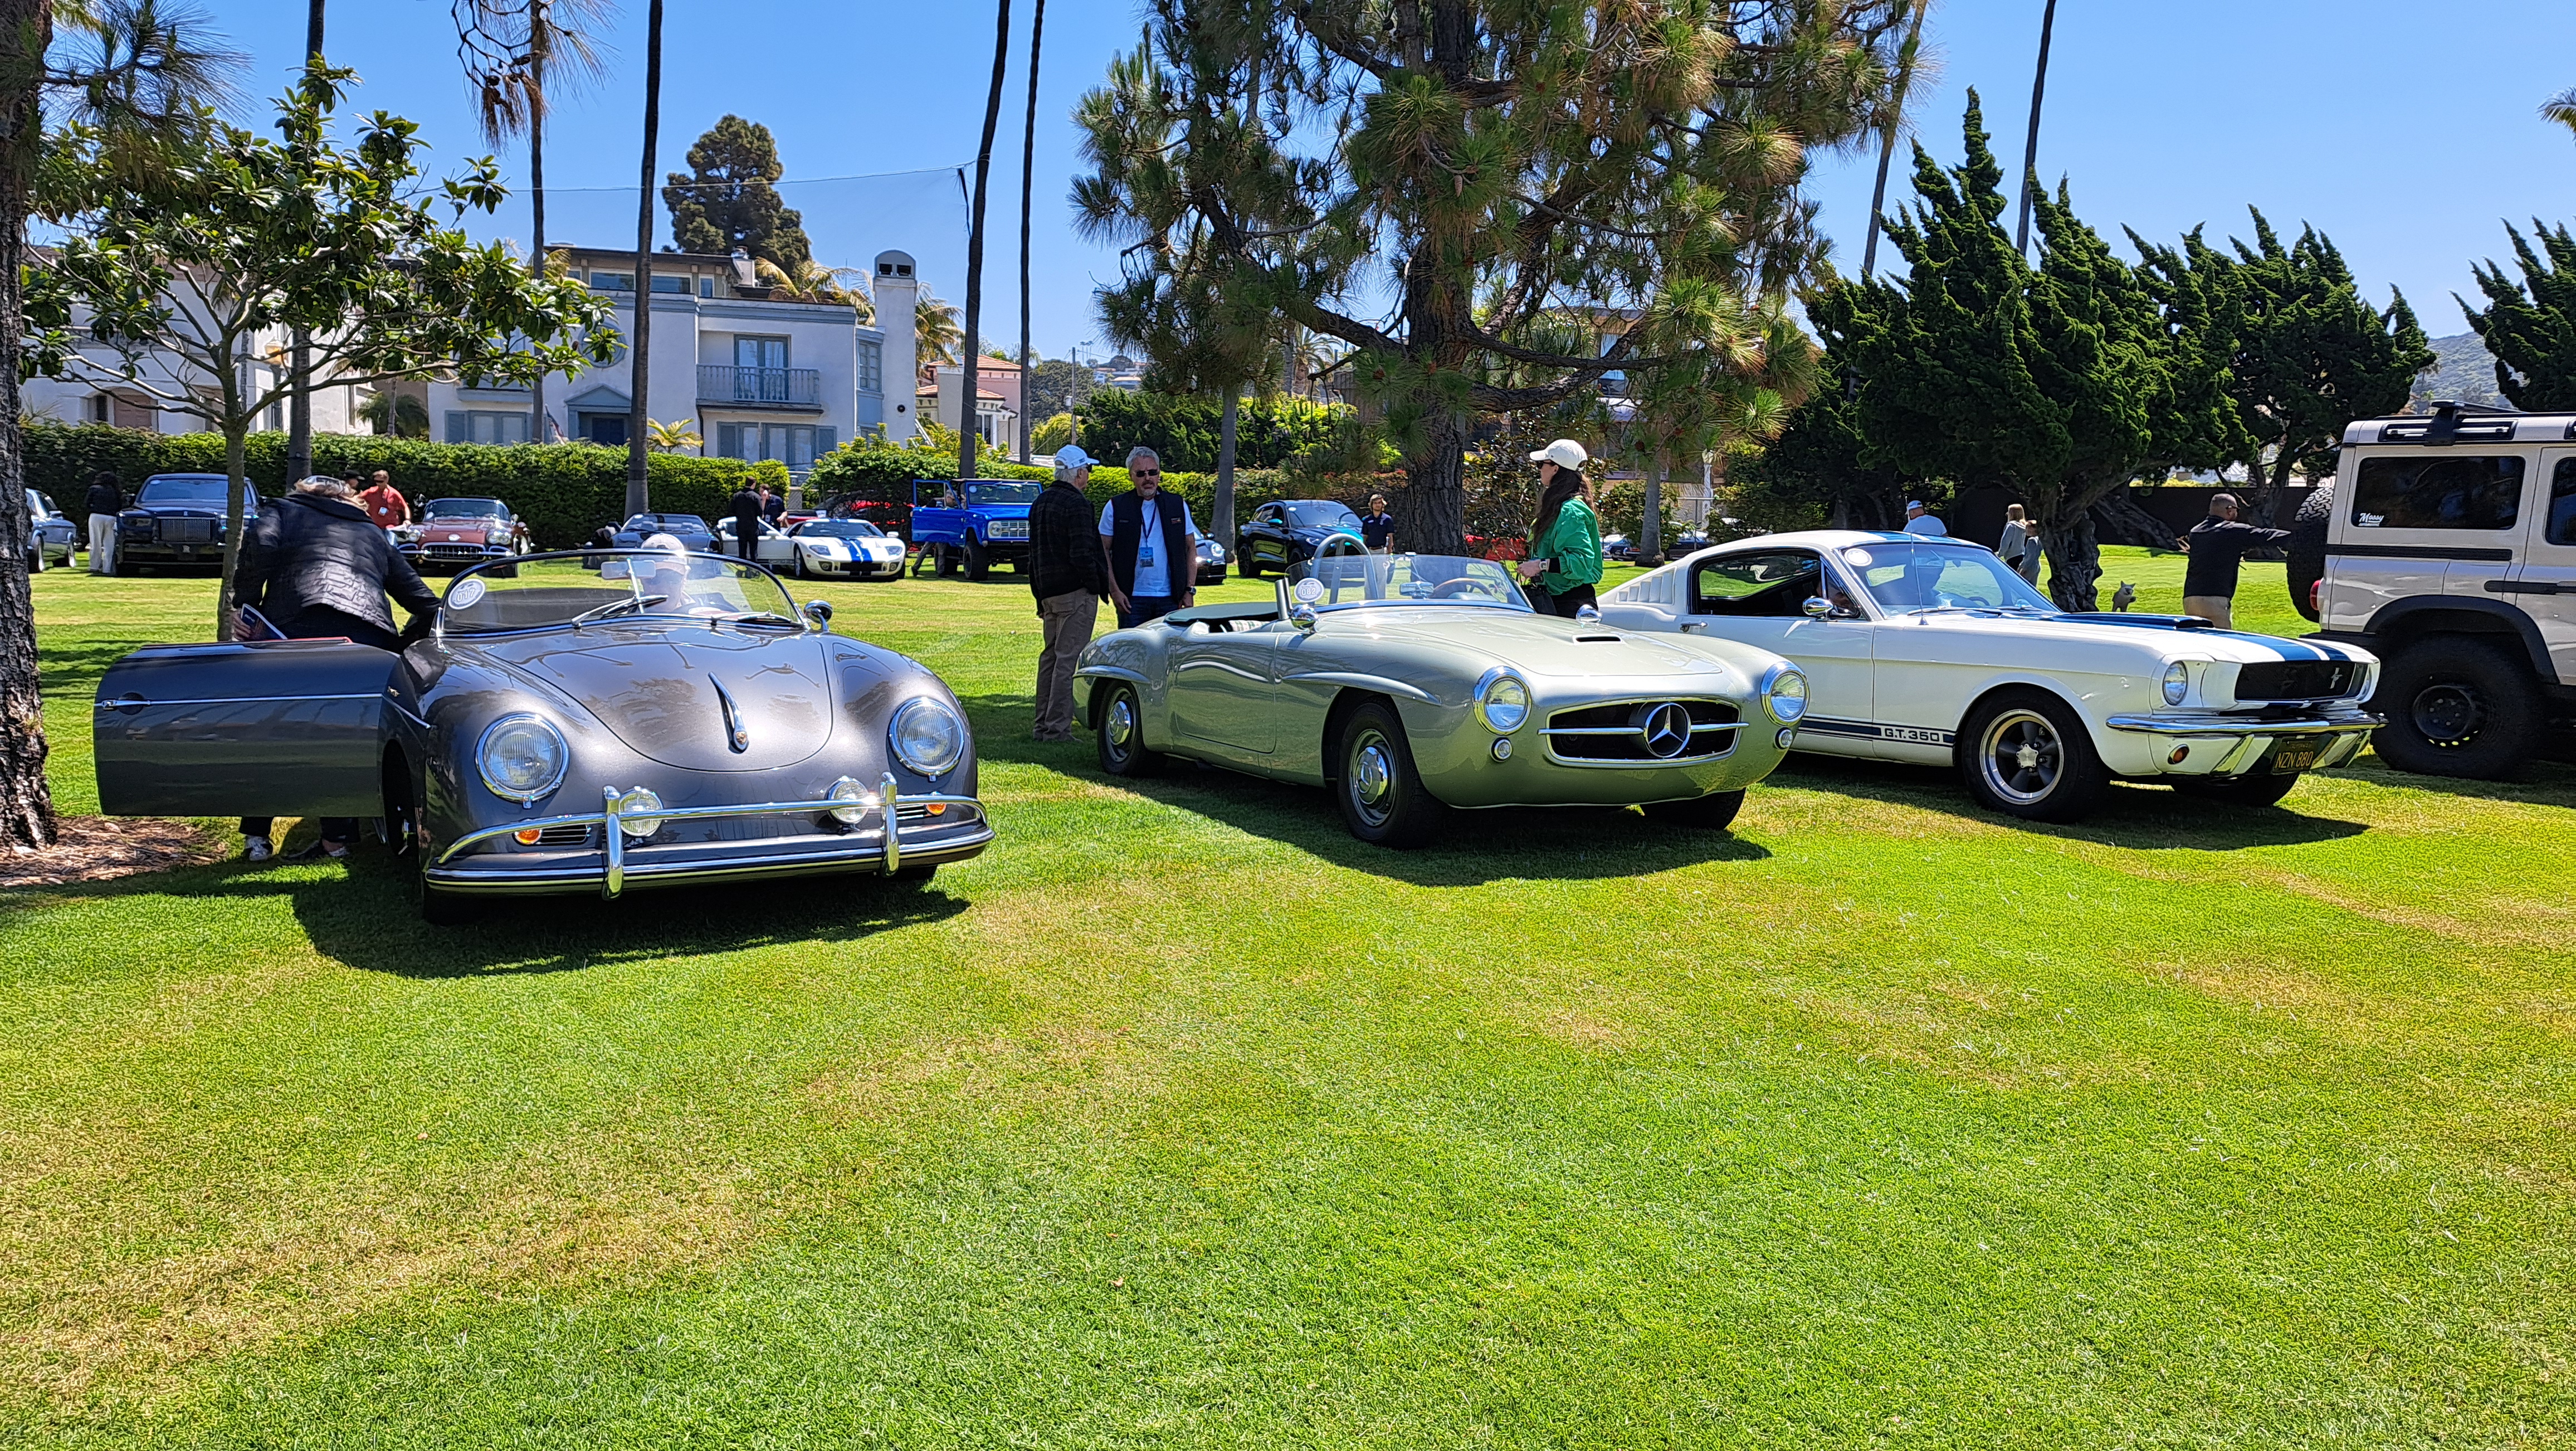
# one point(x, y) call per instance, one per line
point(666, 543)
point(1070, 459)
point(1565, 453)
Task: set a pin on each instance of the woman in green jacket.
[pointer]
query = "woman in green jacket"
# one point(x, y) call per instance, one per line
point(1565, 539)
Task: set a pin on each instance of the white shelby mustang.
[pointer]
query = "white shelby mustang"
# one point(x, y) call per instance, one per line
point(1932, 651)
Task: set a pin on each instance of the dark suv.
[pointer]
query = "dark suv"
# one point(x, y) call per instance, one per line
point(178, 519)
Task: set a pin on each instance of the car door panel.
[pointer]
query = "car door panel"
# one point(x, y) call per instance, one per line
point(2543, 585)
point(1223, 687)
point(278, 728)
point(1834, 654)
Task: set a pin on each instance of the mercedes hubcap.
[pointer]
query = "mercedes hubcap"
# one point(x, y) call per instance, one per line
point(2023, 757)
point(1122, 722)
point(1372, 776)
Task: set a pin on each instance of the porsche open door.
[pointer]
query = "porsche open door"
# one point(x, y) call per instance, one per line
point(274, 728)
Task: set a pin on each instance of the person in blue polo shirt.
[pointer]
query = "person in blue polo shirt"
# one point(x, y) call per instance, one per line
point(1152, 544)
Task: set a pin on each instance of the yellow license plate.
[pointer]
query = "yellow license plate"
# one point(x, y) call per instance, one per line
point(2287, 759)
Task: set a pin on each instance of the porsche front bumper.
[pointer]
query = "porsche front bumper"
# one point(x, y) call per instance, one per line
point(928, 829)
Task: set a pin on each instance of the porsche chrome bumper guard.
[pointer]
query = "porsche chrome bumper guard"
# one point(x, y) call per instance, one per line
point(2254, 735)
point(883, 847)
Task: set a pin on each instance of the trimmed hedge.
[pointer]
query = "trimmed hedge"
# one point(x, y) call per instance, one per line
point(565, 491)
point(877, 470)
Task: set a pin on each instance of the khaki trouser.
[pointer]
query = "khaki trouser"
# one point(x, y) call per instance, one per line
point(1068, 620)
point(102, 544)
point(2219, 610)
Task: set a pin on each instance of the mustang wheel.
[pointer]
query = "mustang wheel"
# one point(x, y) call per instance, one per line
point(2456, 707)
point(2025, 753)
point(1713, 812)
point(2265, 789)
point(1381, 792)
point(1122, 735)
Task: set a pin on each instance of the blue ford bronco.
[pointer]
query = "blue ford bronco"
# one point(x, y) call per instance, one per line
point(971, 526)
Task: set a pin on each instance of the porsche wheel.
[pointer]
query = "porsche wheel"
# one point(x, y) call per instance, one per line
point(1713, 812)
point(2026, 754)
point(1382, 796)
point(1122, 735)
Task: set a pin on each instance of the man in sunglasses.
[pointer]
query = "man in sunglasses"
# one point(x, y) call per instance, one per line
point(1152, 544)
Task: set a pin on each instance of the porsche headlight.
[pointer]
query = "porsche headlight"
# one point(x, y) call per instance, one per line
point(1503, 702)
point(2177, 682)
point(522, 757)
point(1784, 693)
point(927, 736)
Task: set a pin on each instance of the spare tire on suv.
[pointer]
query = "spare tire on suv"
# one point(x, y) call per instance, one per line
point(2307, 548)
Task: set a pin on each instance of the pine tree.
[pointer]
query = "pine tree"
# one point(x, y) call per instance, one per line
point(2530, 325)
point(2061, 381)
point(727, 202)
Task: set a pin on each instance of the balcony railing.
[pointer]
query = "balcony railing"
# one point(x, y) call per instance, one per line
point(760, 387)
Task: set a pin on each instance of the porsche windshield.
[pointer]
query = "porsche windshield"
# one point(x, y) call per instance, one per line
point(546, 591)
point(1348, 581)
point(1906, 578)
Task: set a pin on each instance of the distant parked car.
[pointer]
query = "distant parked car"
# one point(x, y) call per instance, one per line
point(1618, 547)
point(972, 526)
point(51, 537)
point(454, 534)
point(689, 529)
point(1211, 561)
point(178, 519)
point(1286, 532)
point(844, 548)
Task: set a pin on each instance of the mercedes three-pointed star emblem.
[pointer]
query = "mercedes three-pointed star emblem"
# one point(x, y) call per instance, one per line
point(1667, 729)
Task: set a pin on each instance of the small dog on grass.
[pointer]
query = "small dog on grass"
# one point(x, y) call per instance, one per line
point(2123, 597)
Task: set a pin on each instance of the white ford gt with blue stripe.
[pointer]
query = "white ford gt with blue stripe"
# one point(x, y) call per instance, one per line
point(1931, 651)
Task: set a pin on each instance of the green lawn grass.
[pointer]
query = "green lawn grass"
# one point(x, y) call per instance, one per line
point(1181, 1119)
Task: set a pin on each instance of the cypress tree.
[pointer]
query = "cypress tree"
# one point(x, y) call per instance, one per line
point(2530, 325)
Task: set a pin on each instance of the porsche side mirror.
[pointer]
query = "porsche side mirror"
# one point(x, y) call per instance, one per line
point(1818, 607)
point(820, 612)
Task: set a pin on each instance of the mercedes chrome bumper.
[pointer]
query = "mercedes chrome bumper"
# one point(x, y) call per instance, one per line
point(923, 829)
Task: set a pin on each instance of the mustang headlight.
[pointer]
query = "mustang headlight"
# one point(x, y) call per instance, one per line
point(1784, 693)
point(2177, 682)
point(927, 736)
point(522, 757)
point(1503, 702)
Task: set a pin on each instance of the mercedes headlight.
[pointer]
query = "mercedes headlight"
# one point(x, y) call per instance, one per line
point(1784, 693)
point(927, 736)
point(1503, 702)
point(2177, 682)
point(522, 757)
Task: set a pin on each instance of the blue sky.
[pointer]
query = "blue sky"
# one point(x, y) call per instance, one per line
point(2406, 135)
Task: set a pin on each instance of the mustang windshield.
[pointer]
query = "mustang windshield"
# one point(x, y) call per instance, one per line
point(1354, 579)
point(543, 591)
point(1907, 578)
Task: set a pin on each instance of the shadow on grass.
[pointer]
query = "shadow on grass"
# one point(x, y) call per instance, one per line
point(1555, 843)
point(364, 918)
point(2138, 818)
point(2545, 783)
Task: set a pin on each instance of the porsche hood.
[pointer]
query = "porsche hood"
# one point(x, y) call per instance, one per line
point(708, 698)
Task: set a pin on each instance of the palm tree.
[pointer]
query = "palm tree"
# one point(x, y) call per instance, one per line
point(1908, 58)
point(640, 345)
point(512, 51)
point(2561, 108)
point(2030, 152)
point(400, 415)
point(1028, 176)
point(673, 436)
point(935, 334)
point(299, 403)
point(811, 281)
point(975, 239)
point(142, 80)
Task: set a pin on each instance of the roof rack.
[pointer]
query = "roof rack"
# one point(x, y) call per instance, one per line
point(2453, 422)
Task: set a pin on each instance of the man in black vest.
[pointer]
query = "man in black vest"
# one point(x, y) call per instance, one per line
point(1152, 544)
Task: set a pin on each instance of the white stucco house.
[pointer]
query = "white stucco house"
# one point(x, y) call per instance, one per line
point(92, 392)
point(759, 376)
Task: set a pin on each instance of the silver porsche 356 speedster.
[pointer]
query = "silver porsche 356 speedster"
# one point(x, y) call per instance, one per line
point(1412, 683)
point(649, 718)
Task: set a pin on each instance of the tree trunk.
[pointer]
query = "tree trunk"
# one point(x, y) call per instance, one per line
point(2074, 559)
point(26, 798)
point(2030, 151)
point(237, 470)
point(2119, 518)
point(2267, 502)
point(967, 344)
point(1887, 135)
point(1435, 492)
point(1223, 508)
point(537, 221)
point(1028, 178)
point(299, 400)
point(639, 372)
point(1650, 529)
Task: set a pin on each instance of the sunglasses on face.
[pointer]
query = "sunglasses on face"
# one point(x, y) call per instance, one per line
point(1144, 473)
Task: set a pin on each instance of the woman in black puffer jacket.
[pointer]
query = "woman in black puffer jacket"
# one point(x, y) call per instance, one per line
point(318, 568)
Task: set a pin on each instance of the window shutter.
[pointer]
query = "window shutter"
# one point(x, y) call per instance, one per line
point(460, 428)
point(825, 440)
point(729, 440)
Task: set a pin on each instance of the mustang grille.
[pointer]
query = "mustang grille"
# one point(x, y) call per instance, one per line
point(2297, 680)
point(1643, 732)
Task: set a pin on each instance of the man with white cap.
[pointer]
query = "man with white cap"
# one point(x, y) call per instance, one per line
point(1920, 520)
point(1068, 574)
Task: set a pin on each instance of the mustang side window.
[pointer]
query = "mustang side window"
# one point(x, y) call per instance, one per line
point(2562, 503)
point(1774, 582)
point(2475, 492)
